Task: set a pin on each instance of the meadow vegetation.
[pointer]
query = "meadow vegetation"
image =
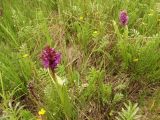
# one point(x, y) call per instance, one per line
point(78, 60)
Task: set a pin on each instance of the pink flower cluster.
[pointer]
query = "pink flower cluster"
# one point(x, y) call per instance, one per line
point(123, 17)
point(50, 58)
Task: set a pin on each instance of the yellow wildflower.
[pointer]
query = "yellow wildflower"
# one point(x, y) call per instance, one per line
point(95, 33)
point(143, 23)
point(150, 14)
point(42, 111)
point(135, 60)
point(25, 55)
point(81, 18)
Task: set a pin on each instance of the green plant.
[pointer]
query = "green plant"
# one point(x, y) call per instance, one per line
point(95, 51)
point(95, 80)
point(16, 112)
point(11, 109)
point(58, 101)
point(148, 59)
point(130, 112)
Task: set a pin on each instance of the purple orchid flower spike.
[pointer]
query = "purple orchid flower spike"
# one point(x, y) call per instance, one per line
point(123, 17)
point(50, 58)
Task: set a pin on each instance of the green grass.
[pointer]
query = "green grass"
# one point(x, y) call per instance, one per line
point(103, 64)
